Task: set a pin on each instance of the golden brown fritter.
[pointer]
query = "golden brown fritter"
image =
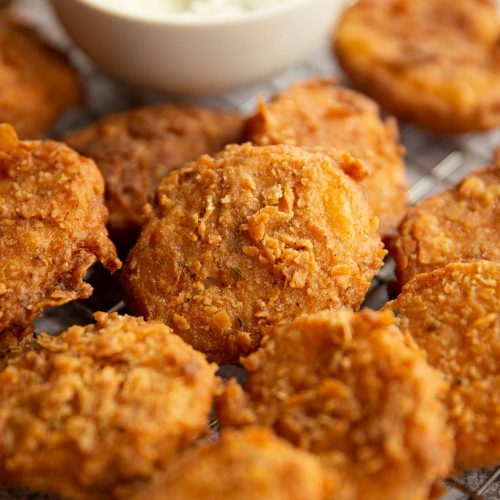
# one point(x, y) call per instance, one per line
point(433, 62)
point(52, 227)
point(251, 464)
point(100, 408)
point(321, 113)
point(248, 238)
point(352, 389)
point(457, 225)
point(453, 314)
point(37, 82)
point(136, 149)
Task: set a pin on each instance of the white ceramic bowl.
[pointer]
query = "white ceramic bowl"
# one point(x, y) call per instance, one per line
point(198, 57)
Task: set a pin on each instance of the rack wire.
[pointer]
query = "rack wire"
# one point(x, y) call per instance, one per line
point(433, 164)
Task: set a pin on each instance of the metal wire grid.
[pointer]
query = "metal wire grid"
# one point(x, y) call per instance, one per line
point(433, 164)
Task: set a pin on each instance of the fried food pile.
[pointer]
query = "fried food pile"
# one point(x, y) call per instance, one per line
point(322, 113)
point(431, 62)
point(258, 254)
point(136, 149)
point(52, 227)
point(248, 238)
point(37, 82)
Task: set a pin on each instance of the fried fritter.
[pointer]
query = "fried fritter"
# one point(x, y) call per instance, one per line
point(249, 238)
point(352, 389)
point(321, 113)
point(453, 314)
point(433, 62)
point(136, 149)
point(251, 464)
point(37, 82)
point(458, 225)
point(52, 227)
point(100, 408)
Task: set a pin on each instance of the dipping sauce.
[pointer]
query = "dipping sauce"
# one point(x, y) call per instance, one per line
point(192, 9)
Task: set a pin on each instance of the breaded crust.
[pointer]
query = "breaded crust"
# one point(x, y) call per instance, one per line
point(319, 112)
point(453, 314)
point(248, 238)
point(99, 409)
point(52, 227)
point(352, 389)
point(458, 225)
point(136, 149)
point(37, 82)
point(251, 464)
point(432, 62)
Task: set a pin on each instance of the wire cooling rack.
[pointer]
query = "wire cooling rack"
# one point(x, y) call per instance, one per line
point(433, 164)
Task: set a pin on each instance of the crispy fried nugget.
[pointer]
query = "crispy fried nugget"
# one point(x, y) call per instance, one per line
point(136, 149)
point(321, 113)
point(37, 83)
point(251, 464)
point(352, 389)
point(100, 407)
point(248, 238)
point(457, 225)
point(453, 314)
point(432, 62)
point(52, 227)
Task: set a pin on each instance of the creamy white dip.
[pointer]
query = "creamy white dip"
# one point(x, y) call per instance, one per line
point(188, 8)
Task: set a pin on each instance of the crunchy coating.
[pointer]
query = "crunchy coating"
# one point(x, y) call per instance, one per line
point(453, 314)
point(432, 62)
point(10, 339)
point(248, 238)
point(52, 227)
point(319, 112)
point(251, 464)
point(37, 82)
point(458, 225)
point(136, 149)
point(352, 389)
point(100, 408)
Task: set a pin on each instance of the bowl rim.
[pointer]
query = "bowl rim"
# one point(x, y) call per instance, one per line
point(175, 20)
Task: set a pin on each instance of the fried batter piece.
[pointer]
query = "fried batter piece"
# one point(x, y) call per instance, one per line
point(248, 238)
point(352, 389)
point(321, 113)
point(453, 314)
point(52, 227)
point(251, 464)
point(136, 149)
point(432, 62)
point(37, 82)
point(100, 408)
point(458, 225)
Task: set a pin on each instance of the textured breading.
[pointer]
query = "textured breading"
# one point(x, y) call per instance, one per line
point(251, 464)
point(37, 82)
point(248, 238)
point(136, 149)
point(453, 314)
point(99, 409)
point(352, 389)
point(432, 62)
point(52, 227)
point(319, 112)
point(458, 225)
point(10, 338)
